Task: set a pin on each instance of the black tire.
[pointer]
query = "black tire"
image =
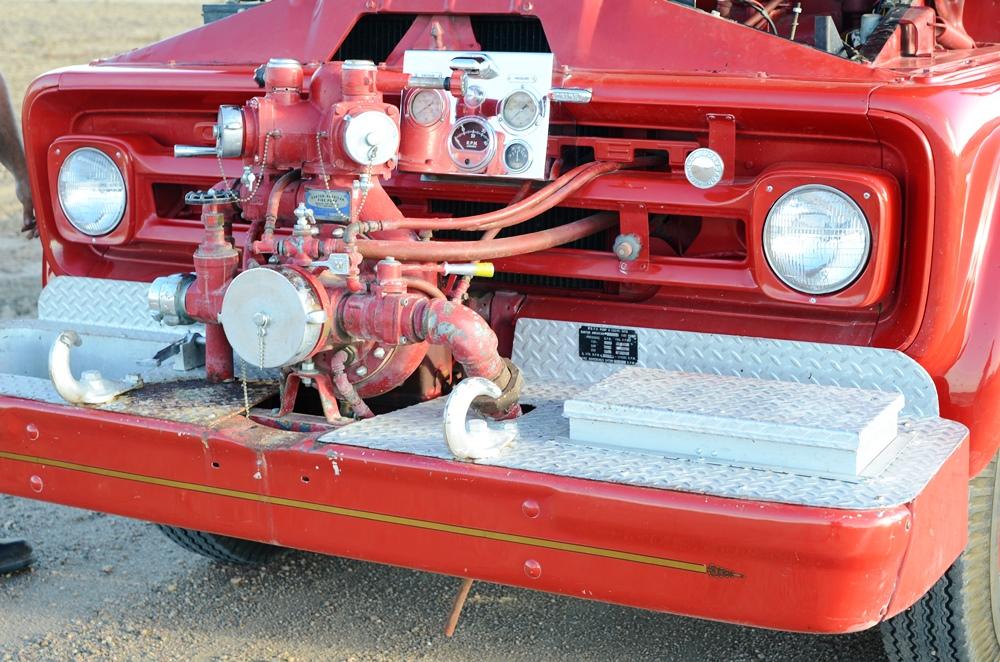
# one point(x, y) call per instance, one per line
point(959, 618)
point(221, 548)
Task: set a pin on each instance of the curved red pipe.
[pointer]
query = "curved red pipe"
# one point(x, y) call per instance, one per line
point(463, 251)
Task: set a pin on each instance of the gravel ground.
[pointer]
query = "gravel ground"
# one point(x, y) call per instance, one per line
point(107, 588)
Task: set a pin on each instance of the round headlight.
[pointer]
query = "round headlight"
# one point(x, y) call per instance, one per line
point(817, 239)
point(92, 191)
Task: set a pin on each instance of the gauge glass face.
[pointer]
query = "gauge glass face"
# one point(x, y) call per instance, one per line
point(517, 157)
point(520, 110)
point(472, 144)
point(427, 107)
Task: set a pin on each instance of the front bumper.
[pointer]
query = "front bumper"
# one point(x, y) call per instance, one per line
point(748, 546)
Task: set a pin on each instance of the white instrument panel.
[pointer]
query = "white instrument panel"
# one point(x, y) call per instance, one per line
point(499, 128)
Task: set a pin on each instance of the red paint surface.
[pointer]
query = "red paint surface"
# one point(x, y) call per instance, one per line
point(803, 569)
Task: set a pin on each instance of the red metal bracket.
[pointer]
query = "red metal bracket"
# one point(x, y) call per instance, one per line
point(722, 139)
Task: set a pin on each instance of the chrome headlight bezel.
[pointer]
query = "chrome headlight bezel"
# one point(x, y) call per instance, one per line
point(114, 215)
point(800, 283)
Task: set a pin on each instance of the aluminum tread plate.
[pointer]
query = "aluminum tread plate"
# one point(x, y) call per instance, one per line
point(102, 302)
point(547, 350)
point(543, 446)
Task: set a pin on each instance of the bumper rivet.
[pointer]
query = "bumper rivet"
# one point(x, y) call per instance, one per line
point(533, 568)
point(36, 483)
point(32, 431)
point(531, 508)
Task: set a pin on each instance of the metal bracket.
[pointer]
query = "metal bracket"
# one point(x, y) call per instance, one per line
point(722, 139)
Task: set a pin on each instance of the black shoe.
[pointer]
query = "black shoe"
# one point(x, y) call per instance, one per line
point(14, 555)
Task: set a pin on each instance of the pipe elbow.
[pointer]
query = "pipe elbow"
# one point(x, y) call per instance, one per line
point(474, 345)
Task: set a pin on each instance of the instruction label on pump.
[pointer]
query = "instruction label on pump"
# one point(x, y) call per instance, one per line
point(604, 344)
point(332, 205)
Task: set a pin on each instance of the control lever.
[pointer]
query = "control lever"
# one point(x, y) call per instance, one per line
point(188, 151)
point(571, 95)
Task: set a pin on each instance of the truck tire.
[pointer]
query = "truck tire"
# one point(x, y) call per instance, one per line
point(221, 548)
point(959, 618)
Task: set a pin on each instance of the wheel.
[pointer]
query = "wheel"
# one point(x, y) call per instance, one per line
point(221, 548)
point(959, 618)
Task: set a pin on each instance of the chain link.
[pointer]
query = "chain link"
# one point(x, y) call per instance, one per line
point(246, 388)
point(260, 176)
point(372, 153)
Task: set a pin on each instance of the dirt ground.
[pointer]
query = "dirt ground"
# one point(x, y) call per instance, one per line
point(107, 588)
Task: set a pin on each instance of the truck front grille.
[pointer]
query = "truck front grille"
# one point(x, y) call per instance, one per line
point(375, 36)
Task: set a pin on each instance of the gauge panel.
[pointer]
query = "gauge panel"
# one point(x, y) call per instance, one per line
point(498, 127)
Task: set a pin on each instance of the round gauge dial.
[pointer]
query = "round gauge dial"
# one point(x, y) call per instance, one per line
point(472, 144)
point(517, 157)
point(520, 110)
point(427, 107)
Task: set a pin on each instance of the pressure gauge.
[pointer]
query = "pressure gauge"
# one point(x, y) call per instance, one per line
point(517, 157)
point(427, 107)
point(472, 144)
point(520, 110)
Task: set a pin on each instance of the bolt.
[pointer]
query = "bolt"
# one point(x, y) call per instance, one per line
point(868, 196)
point(32, 431)
point(36, 483)
point(379, 352)
point(533, 568)
point(531, 508)
point(770, 189)
point(361, 371)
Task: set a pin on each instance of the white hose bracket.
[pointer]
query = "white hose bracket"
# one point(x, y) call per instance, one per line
point(474, 439)
point(92, 388)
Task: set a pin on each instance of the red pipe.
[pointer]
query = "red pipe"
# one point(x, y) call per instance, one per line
point(465, 251)
point(342, 385)
point(540, 201)
point(215, 264)
point(404, 319)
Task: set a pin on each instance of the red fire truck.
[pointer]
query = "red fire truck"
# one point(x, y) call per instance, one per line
point(683, 306)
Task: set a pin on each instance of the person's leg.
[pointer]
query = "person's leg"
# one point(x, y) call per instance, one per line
point(14, 555)
point(12, 158)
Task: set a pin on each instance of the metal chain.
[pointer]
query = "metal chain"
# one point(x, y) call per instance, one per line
point(246, 389)
point(261, 334)
point(260, 176)
point(372, 153)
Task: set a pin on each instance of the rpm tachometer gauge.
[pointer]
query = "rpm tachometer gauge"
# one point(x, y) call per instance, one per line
point(472, 144)
point(427, 107)
point(520, 110)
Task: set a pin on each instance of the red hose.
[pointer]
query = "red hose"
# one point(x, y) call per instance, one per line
point(540, 201)
point(463, 251)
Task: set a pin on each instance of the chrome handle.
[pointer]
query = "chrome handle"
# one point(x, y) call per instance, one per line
point(188, 151)
point(571, 95)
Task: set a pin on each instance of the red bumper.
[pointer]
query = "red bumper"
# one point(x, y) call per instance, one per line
point(770, 565)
